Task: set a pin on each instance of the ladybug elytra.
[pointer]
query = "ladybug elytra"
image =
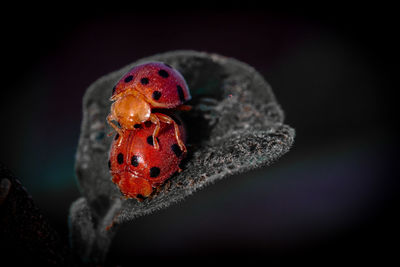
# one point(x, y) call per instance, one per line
point(136, 167)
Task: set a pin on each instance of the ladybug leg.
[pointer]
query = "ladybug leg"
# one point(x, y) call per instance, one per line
point(154, 119)
point(110, 118)
point(167, 119)
point(184, 107)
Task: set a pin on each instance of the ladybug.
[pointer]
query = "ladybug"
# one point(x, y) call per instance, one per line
point(146, 87)
point(136, 167)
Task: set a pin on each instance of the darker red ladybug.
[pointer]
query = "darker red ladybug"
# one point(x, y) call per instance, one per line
point(143, 88)
point(136, 167)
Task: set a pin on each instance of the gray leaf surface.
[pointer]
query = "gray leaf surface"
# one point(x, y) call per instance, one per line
point(235, 125)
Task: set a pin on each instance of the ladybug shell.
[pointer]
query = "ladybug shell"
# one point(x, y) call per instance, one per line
point(160, 84)
point(136, 166)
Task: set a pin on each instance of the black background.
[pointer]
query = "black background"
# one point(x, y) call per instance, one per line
point(333, 69)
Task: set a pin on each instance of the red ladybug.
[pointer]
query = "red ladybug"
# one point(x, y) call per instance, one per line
point(136, 167)
point(143, 88)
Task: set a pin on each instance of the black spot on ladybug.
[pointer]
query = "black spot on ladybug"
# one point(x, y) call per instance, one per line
point(156, 95)
point(120, 158)
point(150, 140)
point(154, 172)
point(114, 88)
point(134, 161)
point(129, 78)
point(163, 73)
point(177, 150)
point(116, 136)
point(138, 126)
point(176, 119)
point(147, 124)
point(144, 81)
point(180, 93)
point(109, 165)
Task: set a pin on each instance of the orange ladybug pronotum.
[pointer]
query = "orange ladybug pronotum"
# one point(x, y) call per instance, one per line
point(149, 86)
point(136, 167)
